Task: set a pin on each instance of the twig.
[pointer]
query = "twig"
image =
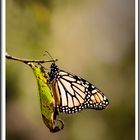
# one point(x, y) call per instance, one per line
point(27, 60)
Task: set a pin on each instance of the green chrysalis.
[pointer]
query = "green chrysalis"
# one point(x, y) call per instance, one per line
point(48, 110)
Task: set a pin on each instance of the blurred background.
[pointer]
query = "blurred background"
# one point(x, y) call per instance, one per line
point(93, 39)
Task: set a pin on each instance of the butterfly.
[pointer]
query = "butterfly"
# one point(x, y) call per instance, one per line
point(73, 94)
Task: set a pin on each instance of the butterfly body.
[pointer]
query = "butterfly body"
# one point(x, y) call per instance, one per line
point(73, 94)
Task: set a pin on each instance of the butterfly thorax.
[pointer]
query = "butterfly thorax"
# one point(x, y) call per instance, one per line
point(53, 71)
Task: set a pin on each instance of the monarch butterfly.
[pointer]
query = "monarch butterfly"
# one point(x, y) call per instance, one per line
point(73, 94)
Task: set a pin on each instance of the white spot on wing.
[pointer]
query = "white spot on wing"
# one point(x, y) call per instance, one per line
point(94, 91)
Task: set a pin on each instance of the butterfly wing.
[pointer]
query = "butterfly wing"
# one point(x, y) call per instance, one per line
point(73, 94)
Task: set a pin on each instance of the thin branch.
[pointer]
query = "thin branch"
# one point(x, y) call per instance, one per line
point(27, 60)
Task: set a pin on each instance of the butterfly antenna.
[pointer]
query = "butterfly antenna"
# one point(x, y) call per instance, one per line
point(48, 54)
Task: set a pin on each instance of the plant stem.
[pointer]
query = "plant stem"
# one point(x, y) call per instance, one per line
point(27, 60)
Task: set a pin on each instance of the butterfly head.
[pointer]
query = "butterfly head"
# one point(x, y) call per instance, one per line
point(53, 71)
point(53, 66)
